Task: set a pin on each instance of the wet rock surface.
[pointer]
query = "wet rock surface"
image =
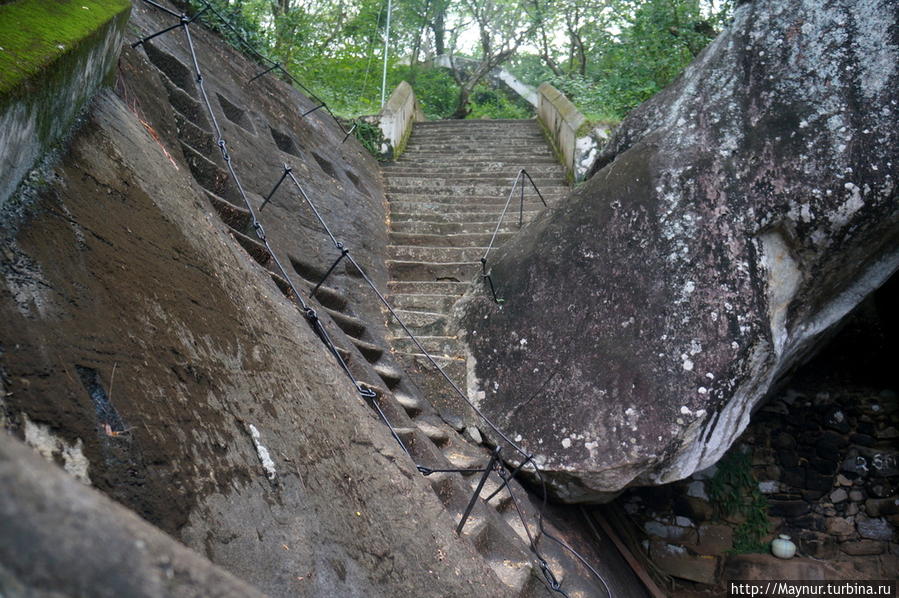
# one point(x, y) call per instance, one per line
point(737, 217)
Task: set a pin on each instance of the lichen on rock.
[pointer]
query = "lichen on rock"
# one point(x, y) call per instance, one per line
point(737, 217)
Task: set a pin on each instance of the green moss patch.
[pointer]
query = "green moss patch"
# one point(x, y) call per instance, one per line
point(35, 33)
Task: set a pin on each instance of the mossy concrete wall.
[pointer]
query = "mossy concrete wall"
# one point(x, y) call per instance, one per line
point(396, 118)
point(53, 58)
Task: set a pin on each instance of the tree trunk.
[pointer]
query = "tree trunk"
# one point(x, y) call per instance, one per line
point(438, 26)
point(462, 108)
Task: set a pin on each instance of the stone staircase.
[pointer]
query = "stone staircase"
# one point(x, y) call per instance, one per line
point(446, 194)
point(427, 239)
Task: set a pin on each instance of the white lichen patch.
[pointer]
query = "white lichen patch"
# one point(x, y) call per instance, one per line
point(262, 452)
point(49, 446)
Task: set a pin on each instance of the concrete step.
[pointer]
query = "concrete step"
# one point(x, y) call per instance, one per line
point(488, 190)
point(486, 220)
point(435, 254)
point(401, 183)
point(454, 367)
point(235, 216)
point(460, 240)
point(459, 162)
point(474, 173)
point(499, 144)
point(488, 211)
point(456, 289)
point(481, 170)
point(431, 271)
point(452, 228)
point(209, 175)
point(256, 249)
point(475, 124)
point(424, 302)
point(422, 323)
point(522, 159)
point(497, 200)
point(482, 145)
point(437, 346)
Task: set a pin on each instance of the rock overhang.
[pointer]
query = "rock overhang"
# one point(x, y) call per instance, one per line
point(739, 216)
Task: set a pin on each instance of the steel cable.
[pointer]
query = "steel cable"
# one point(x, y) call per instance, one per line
point(320, 331)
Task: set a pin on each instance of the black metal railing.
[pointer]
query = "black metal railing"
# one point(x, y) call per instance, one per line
point(506, 473)
point(518, 184)
point(272, 64)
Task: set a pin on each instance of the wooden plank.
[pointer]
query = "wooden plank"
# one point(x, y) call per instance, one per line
point(631, 560)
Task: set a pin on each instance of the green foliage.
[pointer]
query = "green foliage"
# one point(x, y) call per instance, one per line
point(435, 89)
point(656, 39)
point(370, 136)
point(487, 102)
point(245, 19)
point(734, 491)
point(606, 55)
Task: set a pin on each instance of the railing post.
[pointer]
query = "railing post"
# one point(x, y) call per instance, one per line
point(477, 492)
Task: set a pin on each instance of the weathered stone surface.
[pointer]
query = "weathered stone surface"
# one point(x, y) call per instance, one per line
point(863, 547)
point(874, 528)
point(60, 538)
point(839, 526)
point(679, 562)
point(138, 335)
point(715, 539)
point(875, 507)
point(741, 213)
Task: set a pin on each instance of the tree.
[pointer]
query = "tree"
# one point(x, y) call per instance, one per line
point(502, 27)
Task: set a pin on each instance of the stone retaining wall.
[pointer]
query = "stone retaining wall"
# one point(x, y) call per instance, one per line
point(55, 56)
point(826, 464)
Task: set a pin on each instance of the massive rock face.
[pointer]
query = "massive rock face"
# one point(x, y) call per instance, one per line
point(737, 217)
point(146, 352)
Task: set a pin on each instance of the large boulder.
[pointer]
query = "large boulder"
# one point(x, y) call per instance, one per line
point(737, 217)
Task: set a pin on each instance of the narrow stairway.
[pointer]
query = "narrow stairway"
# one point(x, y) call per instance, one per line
point(446, 194)
point(496, 527)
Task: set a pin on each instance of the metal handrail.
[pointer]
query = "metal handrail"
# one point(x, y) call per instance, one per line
point(522, 173)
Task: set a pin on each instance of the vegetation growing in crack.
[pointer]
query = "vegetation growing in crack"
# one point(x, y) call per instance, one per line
point(734, 492)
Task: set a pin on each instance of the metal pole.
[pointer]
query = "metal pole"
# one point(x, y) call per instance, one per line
point(386, 43)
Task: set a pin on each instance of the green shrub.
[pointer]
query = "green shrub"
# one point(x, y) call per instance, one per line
point(734, 490)
point(487, 102)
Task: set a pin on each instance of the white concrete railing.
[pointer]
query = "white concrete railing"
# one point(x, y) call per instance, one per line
point(396, 117)
point(498, 75)
point(576, 142)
